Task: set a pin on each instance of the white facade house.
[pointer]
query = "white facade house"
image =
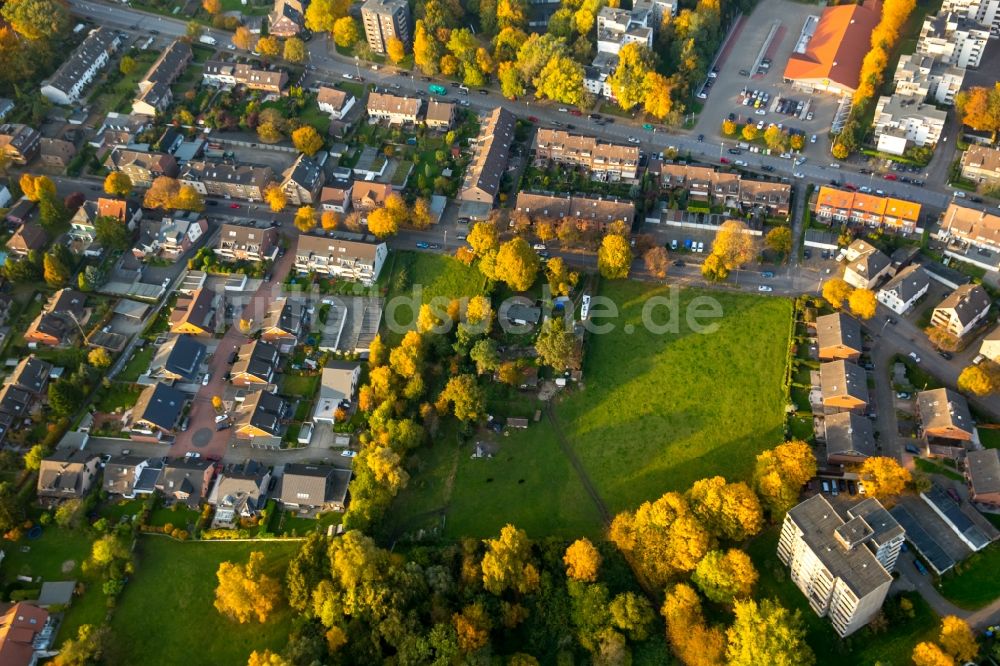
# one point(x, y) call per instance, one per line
point(984, 12)
point(953, 39)
point(358, 260)
point(902, 292)
point(962, 310)
point(616, 28)
point(905, 121)
point(866, 265)
point(928, 78)
point(336, 389)
point(67, 84)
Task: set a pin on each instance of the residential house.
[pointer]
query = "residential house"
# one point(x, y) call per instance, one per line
point(491, 150)
point(29, 237)
point(231, 181)
point(21, 212)
point(337, 196)
point(849, 438)
point(240, 492)
point(605, 160)
point(31, 374)
point(394, 109)
point(154, 89)
point(63, 316)
point(972, 235)
point(170, 237)
point(520, 314)
point(66, 474)
point(928, 78)
point(286, 19)
point(867, 209)
point(334, 102)
point(985, 12)
point(981, 164)
point(841, 560)
point(186, 480)
point(953, 39)
point(385, 20)
point(843, 386)
point(282, 324)
point(82, 225)
point(440, 115)
point(598, 210)
point(130, 476)
point(261, 414)
point(945, 421)
point(55, 153)
point(24, 628)
point(229, 74)
point(336, 388)
point(982, 471)
point(256, 364)
point(866, 265)
point(195, 314)
point(6, 106)
point(118, 129)
point(962, 310)
point(141, 168)
point(157, 412)
point(904, 121)
point(67, 83)
point(990, 347)
point(903, 291)
point(15, 404)
point(314, 487)
point(19, 142)
point(357, 260)
point(727, 189)
point(239, 242)
point(302, 181)
point(178, 359)
point(367, 196)
point(838, 337)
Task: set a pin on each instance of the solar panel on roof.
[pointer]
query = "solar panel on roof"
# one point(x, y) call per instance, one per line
point(922, 541)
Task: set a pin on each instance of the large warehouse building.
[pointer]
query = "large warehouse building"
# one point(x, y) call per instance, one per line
point(828, 55)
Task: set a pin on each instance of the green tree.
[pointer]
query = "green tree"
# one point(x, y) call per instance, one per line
point(65, 396)
point(507, 563)
point(465, 396)
point(86, 649)
point(111, 233)
point(294, 50)
point(556, 346)
point(37, 19)
point(779, 240)
point(484, 354)
point(55, 270)
point(33, 458)
point(767, 633)
point(723, 577)
point(561, 80)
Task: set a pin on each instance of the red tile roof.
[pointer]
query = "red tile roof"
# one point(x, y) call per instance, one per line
point(837, 47)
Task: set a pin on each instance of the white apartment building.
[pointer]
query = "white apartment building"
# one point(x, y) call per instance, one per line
point(985, 12)
point(900, 121)
point(357, 260)
point(616, 28)
point(927, 78)
point(842, 564)
point(953, 40)
point(66, 85)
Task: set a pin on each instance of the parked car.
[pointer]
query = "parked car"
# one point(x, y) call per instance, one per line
point(767, 274)
point(234, 206)
point(205, 379)
point(952, 493)
point(945, 354)
point(919, 566)
point(347, 453)
point(910, 448)
point(903, 395)
point(422, 246)
point(632, 139)
point(764, 288)
point(913, 355)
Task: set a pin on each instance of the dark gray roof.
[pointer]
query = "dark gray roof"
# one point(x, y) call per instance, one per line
point(838, 329)
point(100, 41)
point(314, 485)
point(184, 476)
point(160, 405)
point(265, 411)
point(968, 301)
point(305, 173)
point(839, 378)
point(926, 545)
point(14, 401)
point(871, 262)
point(182, 356)
point(257, 358)
point(908, 283)
point(944, 409)
point(984, 471)
point(958, 521)
point(31, 374)
point(849, 434)
point(119, 474)
point(286, 315)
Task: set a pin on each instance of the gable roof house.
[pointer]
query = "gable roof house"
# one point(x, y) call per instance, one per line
point(605, 160)
point(186, 480)
point(55, 153)
point(600, 210)
point(337, 385)
point(981, 164)
point(314, 487)
point(239, 242)
point(221, 73)
point(29, 236)
point(336, 196)
point(194, 314)
point(232, 181)
point(154, 89)
point(157, 412)
point(82, 225)
point(491, 150)
point(962, 310)
point(982, 471)
point(141, 168)
point(130, 476)
point(66, 474)
point(903, 291)
point(15, 404)
point(286, 19)
point(24, 628)
point(964, 228)
point(356, 260)
point(67, 83)
point(19, 142)
point(118, 129)
point(838, 337)
point(169, 237)
point(240, 491)
point(261, 414)
point(945, 421)
point(178, 359)
point(844, 386)
point(31, 374)
point(334, 102)
point(394, 109)
point(849, 438)
point(368, 195)
point(440, 115)
point(866, 265)
point(255, 365)
point(282, 324)
point(302, 181)
point(60, 320)
point(990, 347)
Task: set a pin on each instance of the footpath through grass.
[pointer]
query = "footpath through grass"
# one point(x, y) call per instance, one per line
point(167, 607)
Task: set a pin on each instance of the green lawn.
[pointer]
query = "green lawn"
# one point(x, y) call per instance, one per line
point(301, 386)
point(169, 602)
point(661, 411)
point(974, 581)
point(295, 526)
point(931, 467)
point(118, 396)
point(863, 648)
point(177, 515)
point(138, 364)
point(990, 437)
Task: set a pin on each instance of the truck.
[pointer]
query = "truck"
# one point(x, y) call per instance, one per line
point(207, 39)
point(435, 89)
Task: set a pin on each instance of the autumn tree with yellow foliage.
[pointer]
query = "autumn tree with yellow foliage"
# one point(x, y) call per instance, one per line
point(723, 577)
point(836, 291)
point(862, 303)
point(980, 380)
point(507, 563)
point(956, 639)
point(582, 560)
point(692, 641)
point(245, 593)
point(517, 264)
point(930, 654)
point(729, 510)
point(884, 478)
point(779, 474)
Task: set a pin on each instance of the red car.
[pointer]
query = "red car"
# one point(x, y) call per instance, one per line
point(575, 112)
point(724, 160)
point(890, 176)
point(234, 205)
point(850, 186)
point(532, 119)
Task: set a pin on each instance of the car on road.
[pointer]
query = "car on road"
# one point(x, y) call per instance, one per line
point(913, 355)
point(423, 246)
point(648, 127)
point(463, 102)
point(953, 494)
point(226, 425)
point(945, 355)
point(484, 91)
point(812, 139)
point(910, 448)
point(232, 357)
point(575, 112)
point(632, 139)
point(532, 119)
point(205, 379)
point(959, 194)
point(903, 395)
point(735, 151)
point(192, 455)
point(767, 168)
point(724, 160)
point(740, 163)
point(890, 176)
point(347, 453)
point(212, 203)
point(744, 72)
point(799, 174)
point(701, 138)
point(563, 109)
point(234, 206)
point(767, 274)
point(678, 263)
point(764, 288)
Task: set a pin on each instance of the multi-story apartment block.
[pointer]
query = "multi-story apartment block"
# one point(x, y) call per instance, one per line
point(902, 121)
point(605, 160)
point(842, 562)
point(981, 164)
point(867, 209)
point(394, 109)
point(245, 243)
point(953, 39)
point(984, 12)
point(600, 210)
point(141, 168)
point(154, 89)
point(221, 73)
point(928, 78)
point(302, 181)
point(68, 82)
point(383, 20)
point(222, 179)
point(728, 189)
point(962, 310)
point(359, 260)
point(19, 142)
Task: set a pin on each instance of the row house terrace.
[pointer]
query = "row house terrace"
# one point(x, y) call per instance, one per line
point(867, 209)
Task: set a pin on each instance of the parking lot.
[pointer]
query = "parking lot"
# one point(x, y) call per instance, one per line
point(781, 21)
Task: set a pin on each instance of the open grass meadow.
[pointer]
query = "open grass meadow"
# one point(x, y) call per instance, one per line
point(973, 582)
point(658, 412)
point(167, 607)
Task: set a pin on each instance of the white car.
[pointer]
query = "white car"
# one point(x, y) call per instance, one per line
point(219, 418)
point(347, 453)
point(740, 163)
point(913, 355)
point(761, 112)
point(959, 194)
point(192, 455)
point(563, 109)
point(632, 139)
point(812, 139)
point(799, 174)
point(204, 380)
point(700, 246)
point(764, 287)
